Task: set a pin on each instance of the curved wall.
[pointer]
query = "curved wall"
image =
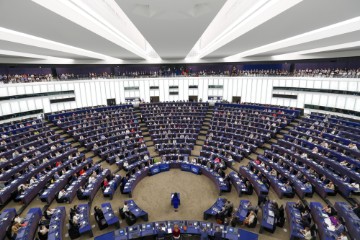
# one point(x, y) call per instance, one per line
point(250, 89)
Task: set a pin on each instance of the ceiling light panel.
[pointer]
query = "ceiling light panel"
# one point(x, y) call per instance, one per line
point(236, 18)
point(343, 27)
point(30, 40)
point(30, 55)
point(300, 54)
point(106, 19)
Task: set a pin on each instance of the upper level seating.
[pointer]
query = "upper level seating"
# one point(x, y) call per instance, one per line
point(237, 130)
point(11, 128)
point(331, 127)
point(111, 132)
point(174, 126)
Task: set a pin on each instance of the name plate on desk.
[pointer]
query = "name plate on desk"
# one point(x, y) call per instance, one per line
point(185, 167)
point(195, 169)
point(154, 170)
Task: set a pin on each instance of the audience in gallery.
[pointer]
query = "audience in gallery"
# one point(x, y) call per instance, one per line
point(184, 72)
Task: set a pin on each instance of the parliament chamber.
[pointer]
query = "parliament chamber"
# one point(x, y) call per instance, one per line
point(191, 119)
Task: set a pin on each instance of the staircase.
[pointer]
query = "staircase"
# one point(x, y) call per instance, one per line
point(203, 132)
point(146, 134)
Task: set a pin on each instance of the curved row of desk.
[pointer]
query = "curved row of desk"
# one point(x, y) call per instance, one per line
point(189, 228)
point(162, 167)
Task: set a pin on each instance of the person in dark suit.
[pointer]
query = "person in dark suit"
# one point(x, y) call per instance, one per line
point(218, 234)
point(123, 183)
point(160, 233)
point(80, 193)
point(356, 209)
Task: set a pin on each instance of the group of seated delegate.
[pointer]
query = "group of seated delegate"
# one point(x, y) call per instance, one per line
point(174, 127)
point(237, 130)
point(34, 161)
point(112, 133)
point(247, 214)
point(22, 228)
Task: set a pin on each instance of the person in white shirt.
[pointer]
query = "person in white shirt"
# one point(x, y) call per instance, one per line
point(75, 218)
point(306, 233)
point(91, 179)
point(18, 219)
point(342, 236)
point(125, 208)
point(33, 181)
point(125, 165)
point(61, 194)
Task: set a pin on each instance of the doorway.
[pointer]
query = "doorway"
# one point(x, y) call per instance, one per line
point(236, 99)
point(193, 98)
point(154, 99)
point(111, 102)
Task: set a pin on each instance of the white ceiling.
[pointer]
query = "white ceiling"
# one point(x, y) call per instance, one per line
point(143, 31)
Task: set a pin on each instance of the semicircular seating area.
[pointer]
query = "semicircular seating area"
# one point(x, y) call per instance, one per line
point(304, 170)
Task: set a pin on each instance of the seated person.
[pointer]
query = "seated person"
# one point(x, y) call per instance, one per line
point(49, 212)
point(18, 219)
point(74, 210)
point(125, 165)
point(330, 186)
point(229, 207)
point(61, 198)
point(92, 179)
point(306, 233)
point(342, 236)
point(80, 193)
point(328, 210)
point(75, 219)
point(43, 232)
point(105, 184)
point(99, 217)
point(125, 208)
point(356, 209)
point(251, 219)
point(15, 229)
point(176, 232)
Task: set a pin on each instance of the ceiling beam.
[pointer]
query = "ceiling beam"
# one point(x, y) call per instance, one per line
point(343, 27)
point(236, 18)
point(106, 19)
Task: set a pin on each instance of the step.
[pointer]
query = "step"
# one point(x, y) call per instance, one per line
point(200, 142)
point(75, 144)
point(279, 136)
point(273, 140)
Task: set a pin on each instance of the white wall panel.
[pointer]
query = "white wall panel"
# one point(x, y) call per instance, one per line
point(350, 103)
point(303, 83)
point(250, 89)
point(16, 108)
point(12, 91)
point(317, 84)
point(6, 108)
point(323, 100)
point(325, 84)
point(340, 102)
point(343, 86)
